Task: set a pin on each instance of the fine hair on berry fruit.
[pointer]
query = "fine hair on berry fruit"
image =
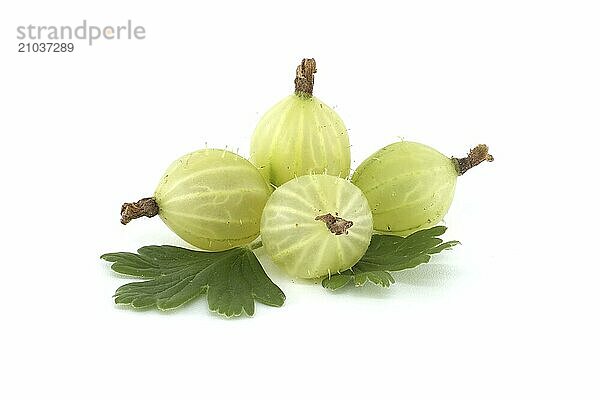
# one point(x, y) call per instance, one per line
point(212, 199)
point(410, 186)
point(316, 225)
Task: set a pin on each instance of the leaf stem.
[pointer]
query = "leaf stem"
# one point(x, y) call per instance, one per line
point(257, 244)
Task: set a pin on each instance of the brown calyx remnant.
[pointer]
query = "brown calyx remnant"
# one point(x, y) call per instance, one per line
point(305, 79)
point(336, 225)
point(145, 207)
point(476, 156)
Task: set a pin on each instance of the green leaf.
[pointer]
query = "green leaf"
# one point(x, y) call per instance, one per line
point(382, 278)
point(232, 279)
point(336, 281)
point(388, 253)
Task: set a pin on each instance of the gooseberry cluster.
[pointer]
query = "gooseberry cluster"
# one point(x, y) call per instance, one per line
point(295, 191)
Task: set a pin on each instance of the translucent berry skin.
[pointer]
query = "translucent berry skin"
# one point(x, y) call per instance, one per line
point(298, 136)
point(212, 199)
point(304, 246)
point(410, 187)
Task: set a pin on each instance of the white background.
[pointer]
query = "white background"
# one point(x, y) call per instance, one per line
point(512, 313)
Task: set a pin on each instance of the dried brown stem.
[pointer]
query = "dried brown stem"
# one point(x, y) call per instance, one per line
point(145, 207)
point(305, 79)
point(336, 225)
point(476, 156)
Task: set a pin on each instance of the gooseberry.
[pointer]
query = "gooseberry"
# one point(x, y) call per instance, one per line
point(300, 135)
point(316, 225)
point(410, 186)
point(212, 199)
